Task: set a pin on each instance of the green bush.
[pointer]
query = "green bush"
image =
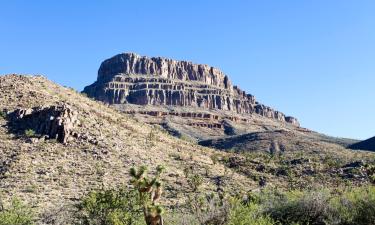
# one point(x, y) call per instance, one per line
point(247, 214)
point(16, 214)
point(356, 206)
point(300, 207)
point(110, 207)
point(3, 114)
point(29, 133)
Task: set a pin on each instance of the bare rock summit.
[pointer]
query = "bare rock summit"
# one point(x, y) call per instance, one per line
point(130, 78)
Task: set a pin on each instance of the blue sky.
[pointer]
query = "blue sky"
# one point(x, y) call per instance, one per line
point(314, 60)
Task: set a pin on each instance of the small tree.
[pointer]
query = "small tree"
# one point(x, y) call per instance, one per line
point(150, 191)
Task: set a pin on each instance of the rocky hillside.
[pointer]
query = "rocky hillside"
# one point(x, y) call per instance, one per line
point(56, 145)
point(202, 95)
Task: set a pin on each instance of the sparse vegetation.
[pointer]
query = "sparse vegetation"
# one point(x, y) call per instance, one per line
point(175, 156)
point(110, 207)
point(215, 158)
point(350, 206)
point(247, 213)
point(32, 189)
point(186, 138)
point(346, 207)
point(2, 114)
point(195, 181)
point(151, 137)
point(29, 133)
point(209, 209)
point(16, 213)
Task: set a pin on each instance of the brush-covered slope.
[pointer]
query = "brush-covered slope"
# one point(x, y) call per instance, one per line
point(105, 145)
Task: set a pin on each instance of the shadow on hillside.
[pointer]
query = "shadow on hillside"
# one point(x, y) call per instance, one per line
point(35, 122)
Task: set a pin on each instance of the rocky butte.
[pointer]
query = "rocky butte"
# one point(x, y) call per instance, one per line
point(166, 87)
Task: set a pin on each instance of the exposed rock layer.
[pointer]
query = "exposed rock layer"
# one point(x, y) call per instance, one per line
point(130, 78)
point(57, 122)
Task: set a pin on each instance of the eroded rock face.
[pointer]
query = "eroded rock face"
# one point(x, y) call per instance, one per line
point(130, 78)
point(57, 122)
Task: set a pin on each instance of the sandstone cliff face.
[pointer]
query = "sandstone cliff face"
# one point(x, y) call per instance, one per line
point(130, 78)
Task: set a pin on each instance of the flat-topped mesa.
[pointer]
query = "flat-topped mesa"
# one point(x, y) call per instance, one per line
point(135, 79)
point(130, 63)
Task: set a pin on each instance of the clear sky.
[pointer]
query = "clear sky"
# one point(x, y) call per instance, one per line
point(314, 60)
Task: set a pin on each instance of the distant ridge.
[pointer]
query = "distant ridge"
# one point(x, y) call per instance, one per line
point(368, 145)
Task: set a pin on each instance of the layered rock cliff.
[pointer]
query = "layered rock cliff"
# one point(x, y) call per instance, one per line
point(134, 79)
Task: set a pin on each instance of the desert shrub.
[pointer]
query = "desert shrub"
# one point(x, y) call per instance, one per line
point(16, 214)
point(176, 156)
point(29, 133)
point(212, 209)
point(84, 94)
point(370, 169)
point(61, 214)
point(247, 213)
point(215, 158)
point(180, 218)
point(332, 161)
point(186, 138)
point(209, 209)
point(151, 138)
point(195, 181)
point(3, 114)
point(356, 206)
point(299, 207)
point(110, 207)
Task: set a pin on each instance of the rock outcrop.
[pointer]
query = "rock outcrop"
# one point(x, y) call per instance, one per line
point(56, 122)
point(134, 79)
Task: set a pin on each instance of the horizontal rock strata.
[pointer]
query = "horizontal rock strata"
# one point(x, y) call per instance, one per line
point(134, 79)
